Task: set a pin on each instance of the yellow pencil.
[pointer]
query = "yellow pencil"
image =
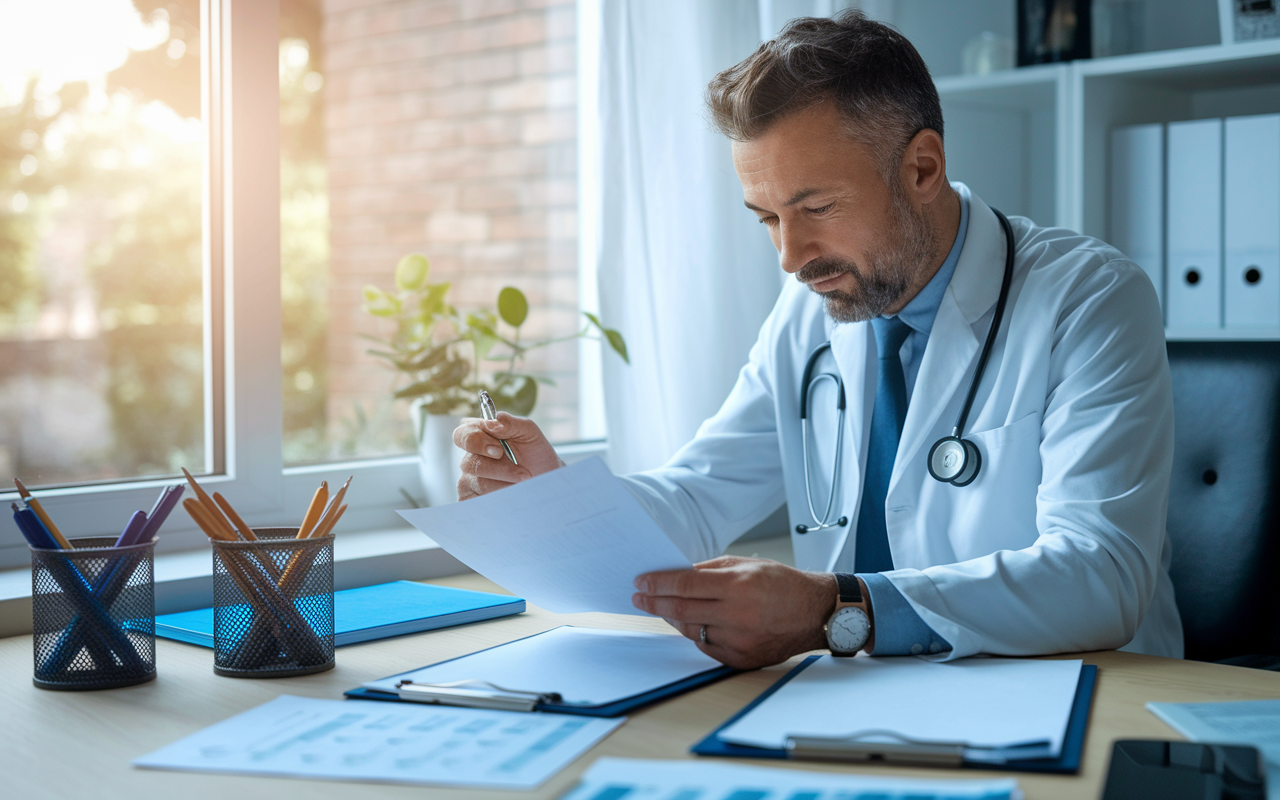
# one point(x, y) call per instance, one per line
point(206, 502)
point(327, 517)
point(35, 506)
point(314, 510)
point(246, 532)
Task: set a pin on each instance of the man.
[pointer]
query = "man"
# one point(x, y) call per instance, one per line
point(1058, 544)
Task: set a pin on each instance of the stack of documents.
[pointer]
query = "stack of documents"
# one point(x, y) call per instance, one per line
point(636, 779)
point(987, 711)
point(352, 740)
point(569, 540)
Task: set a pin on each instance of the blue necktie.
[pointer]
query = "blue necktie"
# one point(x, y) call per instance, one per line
point(871, 550)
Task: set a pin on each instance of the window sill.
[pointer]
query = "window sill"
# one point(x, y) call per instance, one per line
point(185, 580)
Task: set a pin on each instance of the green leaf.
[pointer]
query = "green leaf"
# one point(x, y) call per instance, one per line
point(521, 401)
point(433, 357)
point(433, 303)
point(411, 272)
point(618, 344)
point(379, 303)
point(448, 375)
point(512, 306)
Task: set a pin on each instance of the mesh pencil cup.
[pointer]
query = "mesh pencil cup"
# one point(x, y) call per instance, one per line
point(93, 615)
point(273, 605)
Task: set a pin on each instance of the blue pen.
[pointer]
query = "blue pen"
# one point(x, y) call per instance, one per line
point(159, 513)
point(33, 530)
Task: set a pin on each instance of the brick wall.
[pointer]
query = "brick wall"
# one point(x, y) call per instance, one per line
point(450, 131)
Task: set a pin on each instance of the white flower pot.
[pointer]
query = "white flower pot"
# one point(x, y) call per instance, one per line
point(439, 461)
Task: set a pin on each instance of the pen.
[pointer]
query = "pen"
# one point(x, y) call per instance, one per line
point(35, 506)
point(490, 412)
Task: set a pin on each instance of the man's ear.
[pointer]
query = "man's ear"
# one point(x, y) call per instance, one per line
point(923, 171)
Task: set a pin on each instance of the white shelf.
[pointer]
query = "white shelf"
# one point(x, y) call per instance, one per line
point(1034, 141)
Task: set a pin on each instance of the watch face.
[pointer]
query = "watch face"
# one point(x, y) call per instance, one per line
point(848, 630)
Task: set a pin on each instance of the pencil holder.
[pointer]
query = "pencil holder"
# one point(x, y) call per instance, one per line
point(273, 605)
point(93, 615)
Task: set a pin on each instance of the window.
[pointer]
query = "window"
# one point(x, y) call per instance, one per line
point(205, 264)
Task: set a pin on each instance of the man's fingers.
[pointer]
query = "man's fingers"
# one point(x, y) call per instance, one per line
point(494, 469)
point(473, 437)
point(681, 609)
point(696, 583)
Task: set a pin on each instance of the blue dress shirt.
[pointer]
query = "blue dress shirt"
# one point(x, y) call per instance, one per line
point(899, 629)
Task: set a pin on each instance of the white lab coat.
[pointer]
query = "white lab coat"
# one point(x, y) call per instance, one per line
point(1059, 545)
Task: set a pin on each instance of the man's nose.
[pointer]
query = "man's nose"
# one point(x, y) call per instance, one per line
point(795, 249)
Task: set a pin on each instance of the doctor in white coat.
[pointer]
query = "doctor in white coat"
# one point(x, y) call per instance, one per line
point(1057, 545)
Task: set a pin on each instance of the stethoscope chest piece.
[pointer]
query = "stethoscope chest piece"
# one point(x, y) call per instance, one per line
point(955, 461)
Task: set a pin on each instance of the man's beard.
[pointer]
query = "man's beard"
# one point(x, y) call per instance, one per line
point(889, 271)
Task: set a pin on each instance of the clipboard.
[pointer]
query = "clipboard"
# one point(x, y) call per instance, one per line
point(915, 753)
point(480, 694)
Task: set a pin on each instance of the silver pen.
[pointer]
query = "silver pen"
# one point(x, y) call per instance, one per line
point(489, 411)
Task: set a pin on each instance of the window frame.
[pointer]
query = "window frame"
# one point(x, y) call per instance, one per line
point(242, 321)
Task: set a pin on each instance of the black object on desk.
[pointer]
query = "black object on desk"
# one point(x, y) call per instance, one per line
point(1156, 769)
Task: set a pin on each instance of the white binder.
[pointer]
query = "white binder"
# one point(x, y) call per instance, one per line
point(1193, 241)
point(1137, 198)
point(1251, 230)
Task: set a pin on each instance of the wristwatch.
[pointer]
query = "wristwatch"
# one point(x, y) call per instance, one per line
point(849, 627)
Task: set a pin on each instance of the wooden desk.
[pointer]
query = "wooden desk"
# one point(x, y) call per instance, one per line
point(79, 744)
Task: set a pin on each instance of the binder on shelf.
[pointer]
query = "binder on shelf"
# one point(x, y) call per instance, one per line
point(1194, 225)
point(1137, 199)
point(1251, 228)
point(914, 751)
point(566, 670)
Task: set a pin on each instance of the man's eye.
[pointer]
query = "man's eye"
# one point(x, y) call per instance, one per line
point(822, 210)
point(768, 220)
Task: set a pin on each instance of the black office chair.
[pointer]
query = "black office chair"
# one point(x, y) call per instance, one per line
point(1224, 499)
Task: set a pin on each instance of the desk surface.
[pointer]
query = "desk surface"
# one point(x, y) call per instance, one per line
point(98, 733)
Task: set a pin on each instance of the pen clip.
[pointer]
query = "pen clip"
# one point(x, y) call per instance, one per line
point(851, 750)
point(474, 694)
point(487, 409)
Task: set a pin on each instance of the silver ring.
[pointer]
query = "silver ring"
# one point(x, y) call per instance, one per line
point(702, 634)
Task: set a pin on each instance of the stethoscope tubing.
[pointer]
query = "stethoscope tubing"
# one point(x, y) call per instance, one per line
point(808, 379)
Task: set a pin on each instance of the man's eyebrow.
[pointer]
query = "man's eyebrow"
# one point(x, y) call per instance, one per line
point(795, 198)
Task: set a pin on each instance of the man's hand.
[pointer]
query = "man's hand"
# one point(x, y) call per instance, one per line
point(757, 612)
point(486, 468)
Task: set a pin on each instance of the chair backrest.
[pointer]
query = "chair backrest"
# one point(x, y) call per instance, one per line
point(1224, 499)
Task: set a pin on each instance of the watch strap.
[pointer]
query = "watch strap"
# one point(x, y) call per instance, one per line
point(850, 590)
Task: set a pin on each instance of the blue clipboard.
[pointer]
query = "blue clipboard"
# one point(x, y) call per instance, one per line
point(614, 708)
point(1066, 764)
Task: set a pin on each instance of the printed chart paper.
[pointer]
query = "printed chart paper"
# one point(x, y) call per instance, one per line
point(637, 779)
point(361, 740)
point(569, 540)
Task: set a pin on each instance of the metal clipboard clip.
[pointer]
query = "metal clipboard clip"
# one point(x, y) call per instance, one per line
point(852, 749)
point(474, 694)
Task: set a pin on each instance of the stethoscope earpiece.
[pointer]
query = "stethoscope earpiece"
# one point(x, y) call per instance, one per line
point(955, 461)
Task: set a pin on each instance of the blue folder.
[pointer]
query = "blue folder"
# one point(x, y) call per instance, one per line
point(615, 708)
point(1067, 763)
point(371, 612)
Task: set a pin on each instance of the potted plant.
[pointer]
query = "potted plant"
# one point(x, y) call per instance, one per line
point(447, 356)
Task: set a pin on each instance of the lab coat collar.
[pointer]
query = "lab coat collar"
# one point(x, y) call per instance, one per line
point(950, 356)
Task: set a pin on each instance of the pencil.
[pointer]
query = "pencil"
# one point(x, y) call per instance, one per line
point(215, 514)
point(314, 510)
point(328, 528)
point(326, 519)
point(35, 506)
point(246, 532)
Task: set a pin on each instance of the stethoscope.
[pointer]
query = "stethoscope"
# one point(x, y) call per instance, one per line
point(952, 459)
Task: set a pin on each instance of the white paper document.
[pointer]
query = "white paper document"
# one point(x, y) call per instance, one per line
point(362, 740)
point(980, 702)
point(585, 665)
point(638, 779)
point(1253, 722)
point(569, 540)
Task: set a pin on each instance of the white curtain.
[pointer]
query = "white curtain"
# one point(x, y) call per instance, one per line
point(683, 270)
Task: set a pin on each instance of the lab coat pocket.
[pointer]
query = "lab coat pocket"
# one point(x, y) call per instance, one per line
point(998, 510)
